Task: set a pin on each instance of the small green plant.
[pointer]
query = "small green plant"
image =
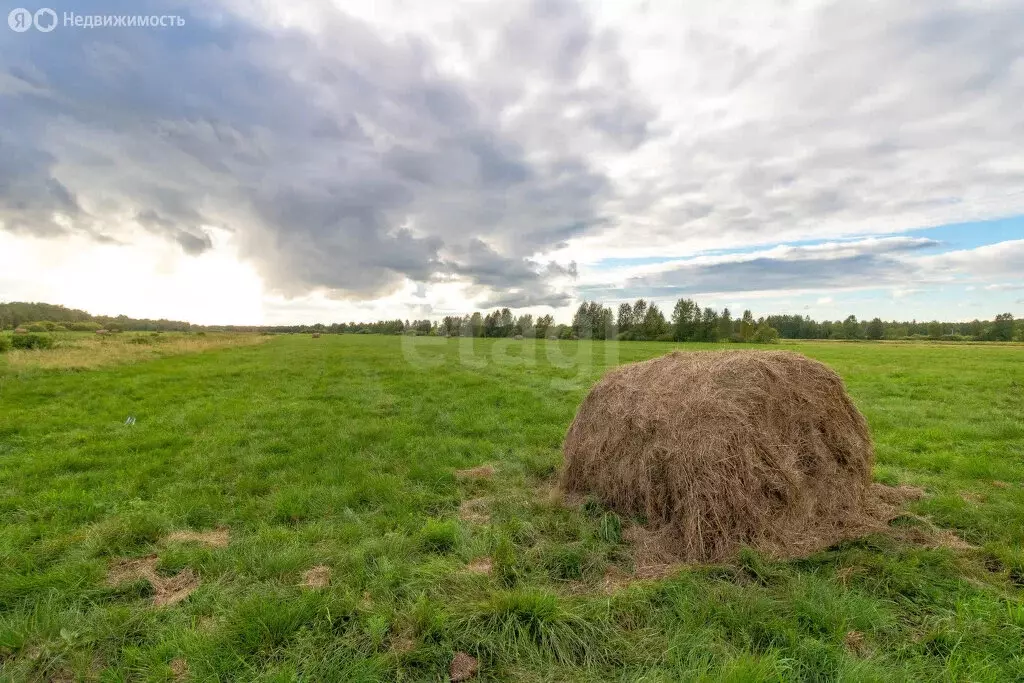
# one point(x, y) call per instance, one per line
point(32, 341)
point(5, 343)
point(611, 528)
point(439, 536)
point(506, 564)
point(565, 562)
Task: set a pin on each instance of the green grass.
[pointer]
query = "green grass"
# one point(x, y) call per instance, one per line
point(342, 452)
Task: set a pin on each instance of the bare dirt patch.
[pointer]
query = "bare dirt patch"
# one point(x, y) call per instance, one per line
point(167, 590)
point(217, 538)
point(481, 472)
point(1001, 484)
point(317, 577)
point(475, 511)
point(463, 667)
point(481, 565)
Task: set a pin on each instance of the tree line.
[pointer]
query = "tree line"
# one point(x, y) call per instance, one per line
point(637, 321)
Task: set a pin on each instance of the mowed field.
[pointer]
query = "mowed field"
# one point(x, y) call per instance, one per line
point(291, 510)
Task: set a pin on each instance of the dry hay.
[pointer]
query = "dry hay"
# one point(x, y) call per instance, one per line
point(854, 642)
point(218, 538)
point(402, 643)
point(615, 578)
point(972, 498)
point(167, 590)
point(317, 577)
point(481, 565)
point(463, 667)
point(925, 533)
point(481, 472)
point(728, 449)
point(179, 669)
point(474, 511)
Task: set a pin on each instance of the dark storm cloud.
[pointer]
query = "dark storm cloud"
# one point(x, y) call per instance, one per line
point(347, 164)
point(872, 262)
point(516, 281)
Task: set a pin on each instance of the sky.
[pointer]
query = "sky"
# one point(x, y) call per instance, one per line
point(276, 162)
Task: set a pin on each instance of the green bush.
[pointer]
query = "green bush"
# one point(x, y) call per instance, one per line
point(5, 343)
point(32, 341)
point(765, 335)
point(87, 326)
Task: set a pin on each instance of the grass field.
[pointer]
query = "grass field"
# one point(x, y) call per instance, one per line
point(340, 454)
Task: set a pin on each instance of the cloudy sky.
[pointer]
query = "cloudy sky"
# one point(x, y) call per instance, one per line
point(281, 161)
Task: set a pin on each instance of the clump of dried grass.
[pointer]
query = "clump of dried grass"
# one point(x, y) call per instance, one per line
point(167, 590)
point(317, 577)
point(481, 472)
point(728, 449)
point(216, 538)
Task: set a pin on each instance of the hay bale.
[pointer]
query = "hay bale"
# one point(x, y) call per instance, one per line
point(102, 332)
point(316, 335)
point(20, 330)
point(717, 450)
point(519, 337)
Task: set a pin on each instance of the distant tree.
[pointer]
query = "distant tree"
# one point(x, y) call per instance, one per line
point(639, 311)
point(476, 325)
point(747, 325)
point(725, 325)
point(765, 335)
point(544, 323)
point(450, 325)
point(851, 328)
point(592, 321)
point(875, 329)
point(685, 316)
point(935, 330)
point(709, 325)
point(505, 323)
point(581, 326)
point(1002, 328)
point(654, 324)
point(524, 325)
point(625, 319)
